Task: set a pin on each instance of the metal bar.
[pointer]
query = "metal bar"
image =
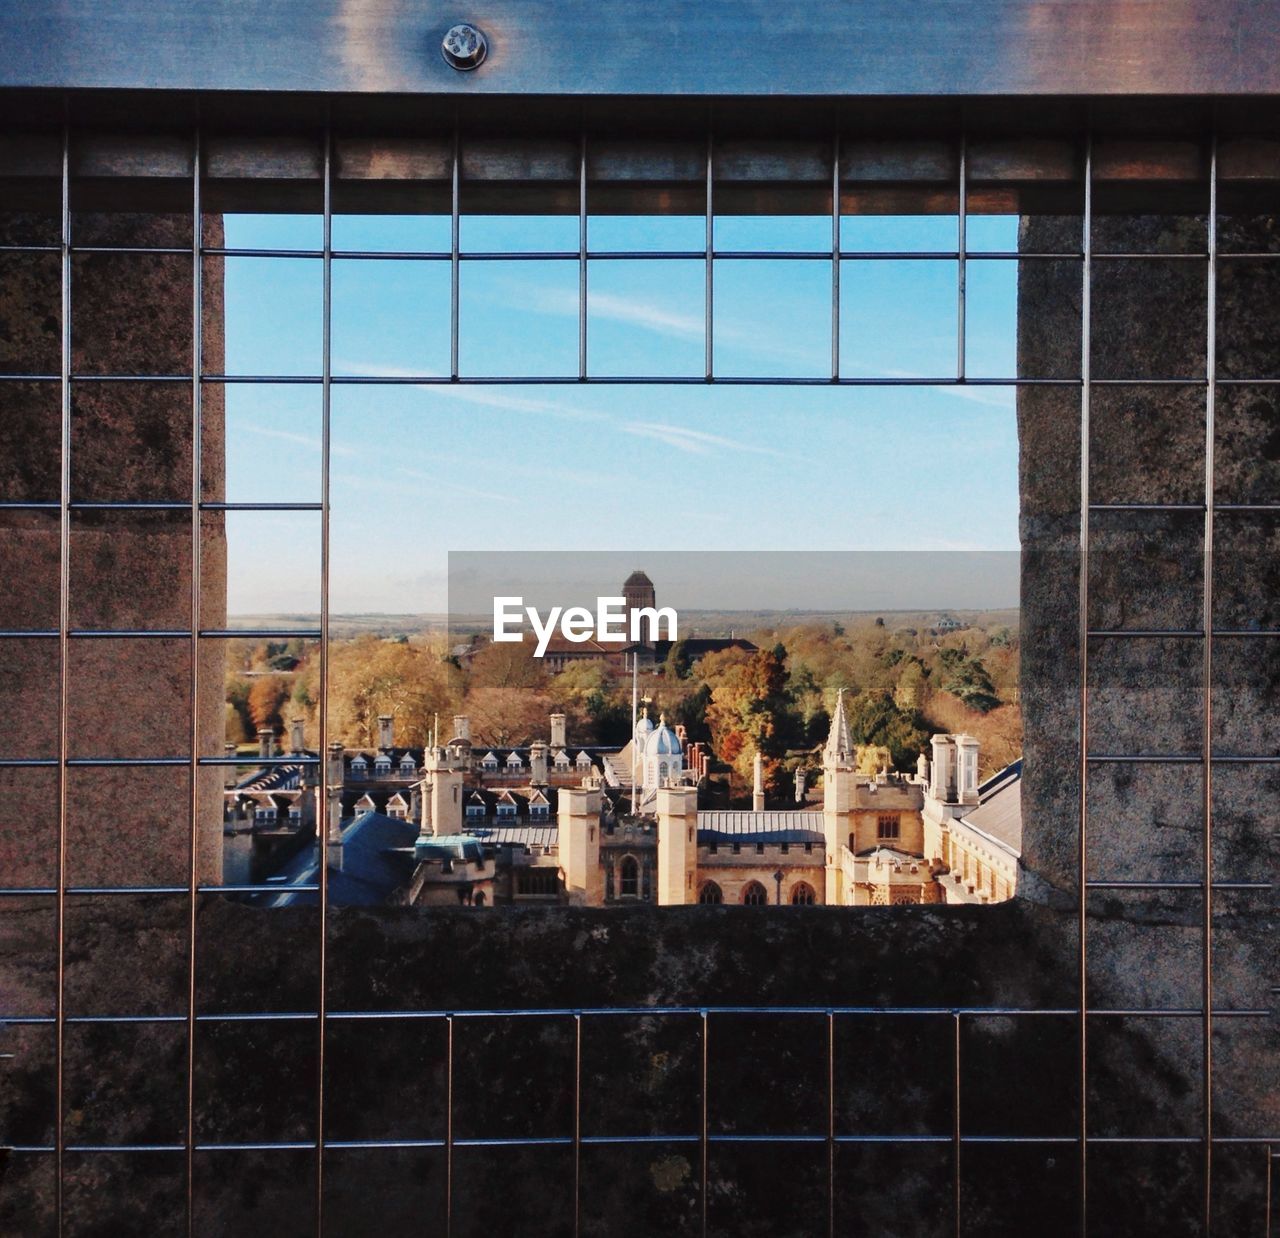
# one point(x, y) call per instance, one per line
point(577, 1124)
point(322, 787)
point(1190, 1012)
point(455, 269)
point(581, 256)
point(197, 488)
point(961, 261)
point(64, 681)
point(448, 1128)
point(835, 260)
point(955, 1127)
point(1211, 370)
point(708, 330)
point(831, 1124)
point(1082, 844)
point(702, 1134)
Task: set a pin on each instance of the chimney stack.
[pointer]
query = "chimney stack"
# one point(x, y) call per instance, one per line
point(333, 790)
point(539, 764)
point(757, 788)
point(557, 731)
point(297, 736)
point(386, 732)
point(462, 727)
point(942, 784)
point(266, 742)
point(229, 771)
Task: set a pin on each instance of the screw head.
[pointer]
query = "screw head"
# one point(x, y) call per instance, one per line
point(464, 47)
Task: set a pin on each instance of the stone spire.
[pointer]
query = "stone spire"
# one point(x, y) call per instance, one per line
point(838, 743)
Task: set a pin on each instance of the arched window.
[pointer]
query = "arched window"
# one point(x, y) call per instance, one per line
point(710, 894)
point(802, 894)
point(662, 772)
point(629, 878)
point(754, 895)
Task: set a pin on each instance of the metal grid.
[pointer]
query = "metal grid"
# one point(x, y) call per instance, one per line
point(705, 1137)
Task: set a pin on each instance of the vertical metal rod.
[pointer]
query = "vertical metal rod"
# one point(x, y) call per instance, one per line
point(448, 1127)
point(962, 269)
point(706, 1032)
point(322, 823)
point(831, 1124)
point(1267, 1182)
point(709, 303)
point(582, 257)
point(1211, 375)
point(455, 264)
point(1082, 844)
point(955, 1125)
point(197, 484)
point(835, 259)
point(577, 1123)
point(64, 628)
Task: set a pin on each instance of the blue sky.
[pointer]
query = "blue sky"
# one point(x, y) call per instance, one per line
point(418, 471)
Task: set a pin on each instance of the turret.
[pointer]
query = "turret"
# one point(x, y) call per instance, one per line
point(579, 821)
point(677, 845)
point(443, 775)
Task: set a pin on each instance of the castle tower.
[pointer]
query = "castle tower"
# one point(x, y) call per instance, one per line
point(638, 593)
point(442, 803)
point(579, 820)
point(838, 781)
point(677, 845)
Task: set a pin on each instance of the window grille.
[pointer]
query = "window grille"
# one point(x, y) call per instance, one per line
point(855, 175)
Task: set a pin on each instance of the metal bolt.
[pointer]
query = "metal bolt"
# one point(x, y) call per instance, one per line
point(464, 47)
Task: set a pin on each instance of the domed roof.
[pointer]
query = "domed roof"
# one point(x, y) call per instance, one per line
point(664, 742)
point(643, 726)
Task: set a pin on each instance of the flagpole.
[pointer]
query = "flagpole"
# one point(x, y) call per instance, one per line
point(635, 707)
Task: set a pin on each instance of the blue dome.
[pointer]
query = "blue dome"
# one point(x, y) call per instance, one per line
point(643, 726)
point(663, 742)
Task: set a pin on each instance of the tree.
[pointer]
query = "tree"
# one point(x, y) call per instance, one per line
point(875, 720)
point(266, 699)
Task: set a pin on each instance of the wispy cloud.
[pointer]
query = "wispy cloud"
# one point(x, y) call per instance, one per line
point(310, 441)
point(438, 484)
point(695, 442)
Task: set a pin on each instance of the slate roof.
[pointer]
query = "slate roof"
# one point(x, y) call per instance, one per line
point(377, 859)
point(770, 826)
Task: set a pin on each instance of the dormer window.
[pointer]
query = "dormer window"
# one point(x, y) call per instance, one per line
point(514, 761)
point(407, 765)
point(539, 810)
point(382, 765)
point(490, 761)
point(506, 809)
